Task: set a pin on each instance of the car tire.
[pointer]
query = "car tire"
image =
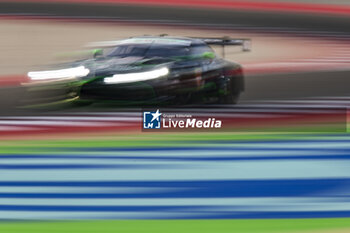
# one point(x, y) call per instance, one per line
point(229, 98)
point(228, 94)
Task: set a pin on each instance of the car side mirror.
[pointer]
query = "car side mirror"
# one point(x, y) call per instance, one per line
point(208, 55)
point(97, 52)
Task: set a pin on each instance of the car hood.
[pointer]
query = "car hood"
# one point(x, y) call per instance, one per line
point(109, 66)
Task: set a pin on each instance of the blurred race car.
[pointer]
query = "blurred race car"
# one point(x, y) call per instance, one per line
point(149, 69)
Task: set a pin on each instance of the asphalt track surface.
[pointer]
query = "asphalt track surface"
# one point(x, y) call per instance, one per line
point(284, 64)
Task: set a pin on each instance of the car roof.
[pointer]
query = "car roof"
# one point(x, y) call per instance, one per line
point(166, 40)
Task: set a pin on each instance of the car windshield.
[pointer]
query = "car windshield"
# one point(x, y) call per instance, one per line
point(149, 50)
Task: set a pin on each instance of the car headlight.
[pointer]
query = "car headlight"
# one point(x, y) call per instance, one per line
point(137, 77)
point(76, 72)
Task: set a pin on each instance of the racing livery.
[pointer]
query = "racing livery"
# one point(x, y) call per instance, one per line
point(149, 69)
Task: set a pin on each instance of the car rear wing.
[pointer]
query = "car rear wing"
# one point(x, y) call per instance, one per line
point(245, 43)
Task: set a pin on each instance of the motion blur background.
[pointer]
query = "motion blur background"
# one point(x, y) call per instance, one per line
point(281, 163)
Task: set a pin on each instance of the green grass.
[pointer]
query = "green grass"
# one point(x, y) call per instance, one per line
point(141, 140)
point(177, 226)
point(145, 140)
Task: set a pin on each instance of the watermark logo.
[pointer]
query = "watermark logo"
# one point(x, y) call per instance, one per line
point(152, 120)
point(157, 120)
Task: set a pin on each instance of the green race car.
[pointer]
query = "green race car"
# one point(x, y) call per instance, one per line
point(147, 70)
